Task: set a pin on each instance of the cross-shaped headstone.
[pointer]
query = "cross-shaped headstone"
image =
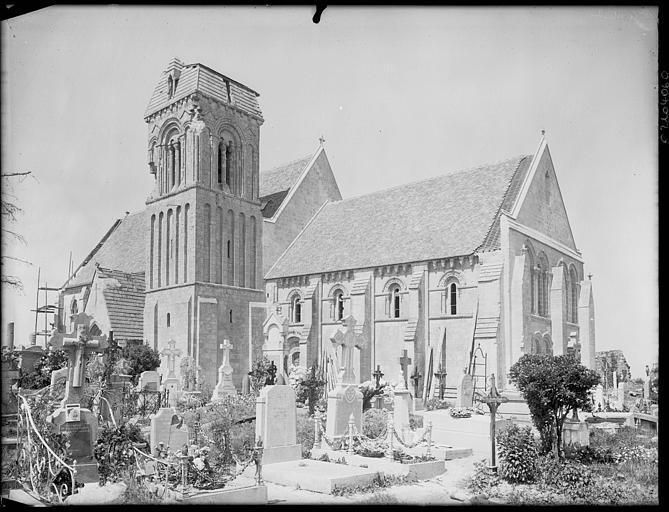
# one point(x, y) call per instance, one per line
point(493, 399)
point(405, 361)
point(321, 139)
point(227, 347)
point(171, 353)
point(415, 377)
point(348, 340)
point(441, 375)
point(78, 345)
point(271, 374)
point(377, 375)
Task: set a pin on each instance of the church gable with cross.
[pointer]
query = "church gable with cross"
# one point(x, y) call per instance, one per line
point(480, 261)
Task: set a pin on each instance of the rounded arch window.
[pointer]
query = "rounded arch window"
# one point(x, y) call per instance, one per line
point(168, 320)
point(296, 309)
point(395, 300)
point(74, 307)
point(338, 304)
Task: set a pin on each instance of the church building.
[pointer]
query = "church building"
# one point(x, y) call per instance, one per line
point(468, 271)
point(477, 262)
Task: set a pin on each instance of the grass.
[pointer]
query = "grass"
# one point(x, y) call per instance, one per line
point(631, 481)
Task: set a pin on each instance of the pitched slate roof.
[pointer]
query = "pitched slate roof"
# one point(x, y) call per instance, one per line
point(276, 183)
point(445, 216)
point(200, 78)
point(124, 295)
point(122, 248)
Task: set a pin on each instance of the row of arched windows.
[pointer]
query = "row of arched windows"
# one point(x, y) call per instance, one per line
point(540, 285)
point(169, 239)
point(393, 302)
point(229, 160)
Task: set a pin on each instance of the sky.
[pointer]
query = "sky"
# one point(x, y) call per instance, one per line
point(399, 94)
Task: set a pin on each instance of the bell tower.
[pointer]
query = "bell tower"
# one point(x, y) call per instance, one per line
point(204, 249)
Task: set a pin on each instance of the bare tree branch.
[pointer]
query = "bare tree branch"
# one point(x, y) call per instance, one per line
point(9, 174)
point(17, 259)
point(12, 281)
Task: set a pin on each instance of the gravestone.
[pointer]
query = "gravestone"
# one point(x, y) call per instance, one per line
point(29, 358)
point(465, 397)
point(598, 398)
point(224, 386)
point(276, 424)
point(80, 424)
point(171, 382)
point(345, 399)
point(401, 404)
point(149, 381)
point(165, 428)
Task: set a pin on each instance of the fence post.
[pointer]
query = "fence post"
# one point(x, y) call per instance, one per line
point(390, 428)
point(351, 422)
point(429, 438)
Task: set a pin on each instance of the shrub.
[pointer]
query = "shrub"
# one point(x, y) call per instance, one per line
point(40, 375)
point(517, 454)
point(436, 403)
point(553, 386)
point(374, 422)
point(460, 412)
point(415, 421)
point(305, 434)
point(140, 358)
point(588, 454)
point(483, 478)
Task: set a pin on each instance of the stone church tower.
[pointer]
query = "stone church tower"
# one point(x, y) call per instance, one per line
point(204, 244)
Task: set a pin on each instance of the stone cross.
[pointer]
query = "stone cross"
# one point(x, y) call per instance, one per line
point(441, 375)
point(271, 374)
point(416, 379)
point(405, 361)
point(348, 340)
point(78, 345)
point(377, 375)
point(172, 353)
point(493, 399)
point(224, 386)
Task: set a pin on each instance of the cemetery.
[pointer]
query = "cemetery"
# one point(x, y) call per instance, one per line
point(98, 429)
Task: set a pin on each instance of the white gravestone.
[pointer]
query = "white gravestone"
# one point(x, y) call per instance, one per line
point(171, 383)
point(149, 381)
point(346, 398)
point(224, 387)
point(276, 424)
point(465, 397)
point(402, 405)
point(164, 430)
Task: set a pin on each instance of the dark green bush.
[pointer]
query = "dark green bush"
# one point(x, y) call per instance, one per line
point(40, 375)
point(517, 454)
point(483, 479)
point(588, 454)
point(374, 422)
point(415, 421)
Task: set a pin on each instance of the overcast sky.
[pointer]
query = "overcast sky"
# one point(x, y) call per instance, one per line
point(400, 95)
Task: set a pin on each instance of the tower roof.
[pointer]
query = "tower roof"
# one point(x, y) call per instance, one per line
point(198, 78)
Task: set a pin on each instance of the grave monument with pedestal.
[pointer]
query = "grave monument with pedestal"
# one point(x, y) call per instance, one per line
point(171, 382)
point(345, 399)
point(276, 424)
point(225, 386)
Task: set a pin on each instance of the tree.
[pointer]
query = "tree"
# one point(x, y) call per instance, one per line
point(9, 210)
point(140, 358)
point(553, 386)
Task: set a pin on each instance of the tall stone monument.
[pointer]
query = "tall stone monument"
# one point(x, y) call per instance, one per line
point(345, 399)
point(276, 424)
point(70, 417)
point(402, 404)
point(171, 382)
point(224, 386)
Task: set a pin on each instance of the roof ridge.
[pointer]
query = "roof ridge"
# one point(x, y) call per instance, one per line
point(286, 164)
point(501, 202)
point(441, 176)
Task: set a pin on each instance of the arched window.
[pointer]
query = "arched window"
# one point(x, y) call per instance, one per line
point(74, 307)
point(573, 294)
point(395, 301)
point(453, 299)
point(94, 330)
point(296, 309)
point(170, 86)
point(168, 320)
point(339, 305)
point(541, 285)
